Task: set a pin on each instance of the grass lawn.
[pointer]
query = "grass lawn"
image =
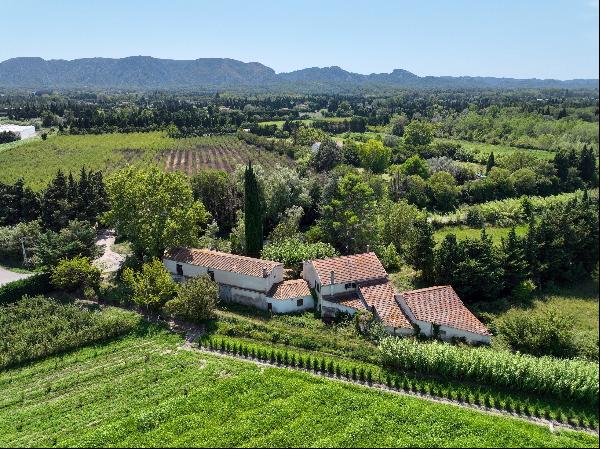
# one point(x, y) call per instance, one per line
point(483, 150)
point(497, 233)
point(144, 391)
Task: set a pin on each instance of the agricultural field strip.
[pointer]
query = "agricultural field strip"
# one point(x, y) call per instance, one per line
point(384, 388)
point(113, 359)
point(181, 425)
point(81, 377)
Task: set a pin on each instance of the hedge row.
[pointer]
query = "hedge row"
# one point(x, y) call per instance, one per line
point(38, 284)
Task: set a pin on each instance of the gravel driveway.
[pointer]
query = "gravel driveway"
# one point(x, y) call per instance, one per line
point(10, 276)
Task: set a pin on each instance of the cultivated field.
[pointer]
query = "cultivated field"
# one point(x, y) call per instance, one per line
point(221, 152)
point(37, 161)
point(144, 391)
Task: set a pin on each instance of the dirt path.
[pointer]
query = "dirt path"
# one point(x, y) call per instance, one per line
point(109, 261)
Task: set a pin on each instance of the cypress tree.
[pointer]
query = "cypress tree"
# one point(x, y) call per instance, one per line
point(490, 163)
point(253, 213)
point(514, 263)
point(54, 204)
point(587, 166)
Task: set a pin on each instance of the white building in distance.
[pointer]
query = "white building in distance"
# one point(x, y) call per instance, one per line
point(24, 132)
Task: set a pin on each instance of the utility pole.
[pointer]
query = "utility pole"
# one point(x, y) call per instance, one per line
point(24, 252)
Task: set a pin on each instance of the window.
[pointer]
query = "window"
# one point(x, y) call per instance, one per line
point(300, 302)
point(269, 307)
point(179, 269)
point(350, 285)
point(211, 275)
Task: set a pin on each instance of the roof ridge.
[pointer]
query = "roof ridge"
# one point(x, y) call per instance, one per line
point(435, 287)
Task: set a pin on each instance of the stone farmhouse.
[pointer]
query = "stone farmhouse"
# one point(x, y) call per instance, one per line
point(346, 284)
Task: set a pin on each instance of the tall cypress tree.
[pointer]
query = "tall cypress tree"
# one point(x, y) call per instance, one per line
point(423, 250)
point(514, 263)
point(587, 166)
point(253, 213)
point(490, 163)
point(54, 204)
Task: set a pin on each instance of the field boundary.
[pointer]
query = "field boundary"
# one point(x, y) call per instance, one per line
point(188, 345)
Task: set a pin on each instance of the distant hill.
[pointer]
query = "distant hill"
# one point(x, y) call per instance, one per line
point(144, 72)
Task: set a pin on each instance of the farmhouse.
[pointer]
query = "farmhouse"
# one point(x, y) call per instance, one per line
point(245, 280)
point(345, 284)
point(24, 132)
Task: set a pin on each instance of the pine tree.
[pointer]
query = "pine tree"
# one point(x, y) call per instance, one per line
point(490, 163)
point(253, 213)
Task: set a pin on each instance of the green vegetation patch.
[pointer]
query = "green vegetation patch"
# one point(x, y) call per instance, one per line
point(142, 391)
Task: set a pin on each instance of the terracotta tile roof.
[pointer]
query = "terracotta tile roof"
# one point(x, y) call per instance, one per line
point(222, 261)
point(382, 296)
point(348, 299)
point(355, 268)
point(296, 288)
point(441, 305)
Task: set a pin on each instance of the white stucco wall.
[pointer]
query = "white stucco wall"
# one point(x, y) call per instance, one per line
point(398, 331)
point(447, 333)
point(291, 305)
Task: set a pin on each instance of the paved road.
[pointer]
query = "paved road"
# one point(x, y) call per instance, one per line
point(9, 276)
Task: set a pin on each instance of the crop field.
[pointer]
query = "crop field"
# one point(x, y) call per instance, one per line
point(37, 160)
point(481, 151)
point(223, 153)
point(143, 391)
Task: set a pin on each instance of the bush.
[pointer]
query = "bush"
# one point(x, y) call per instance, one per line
point(151, 287)
point(543, 332)
point(33, 285)
point(196, 300)
point(36, 327)
point(75, 274)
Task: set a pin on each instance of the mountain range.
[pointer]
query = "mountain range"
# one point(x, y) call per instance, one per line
point(145, 72)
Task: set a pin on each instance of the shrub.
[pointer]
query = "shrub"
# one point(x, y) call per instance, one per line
point(75, 274)
point(151, 287)
point(36, 327)
point(196, 300)
point(33, 285)
point(547, 331)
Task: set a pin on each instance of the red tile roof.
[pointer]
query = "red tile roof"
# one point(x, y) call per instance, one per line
point(348, 299)
point(355, 268)
point(441, 305)
point(295, 288)
point(382, 296)
point(222, 261)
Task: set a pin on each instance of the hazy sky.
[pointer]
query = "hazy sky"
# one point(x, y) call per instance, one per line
point(526, 38)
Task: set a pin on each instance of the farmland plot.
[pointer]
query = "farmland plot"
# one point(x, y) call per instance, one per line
point(220, 152)
point(143, 392)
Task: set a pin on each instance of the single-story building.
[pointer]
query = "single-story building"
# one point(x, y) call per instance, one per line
point(245, 280)
point(441, 307)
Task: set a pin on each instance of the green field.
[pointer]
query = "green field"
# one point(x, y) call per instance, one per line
point(497, 233)
point(483, 150)
point(145, 391)
point(37, 160)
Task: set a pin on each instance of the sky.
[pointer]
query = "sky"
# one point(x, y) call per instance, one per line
point(504, 38)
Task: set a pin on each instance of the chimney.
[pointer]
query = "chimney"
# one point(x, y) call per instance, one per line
point(368, 248)
point(332, 277)
point(264, 272)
